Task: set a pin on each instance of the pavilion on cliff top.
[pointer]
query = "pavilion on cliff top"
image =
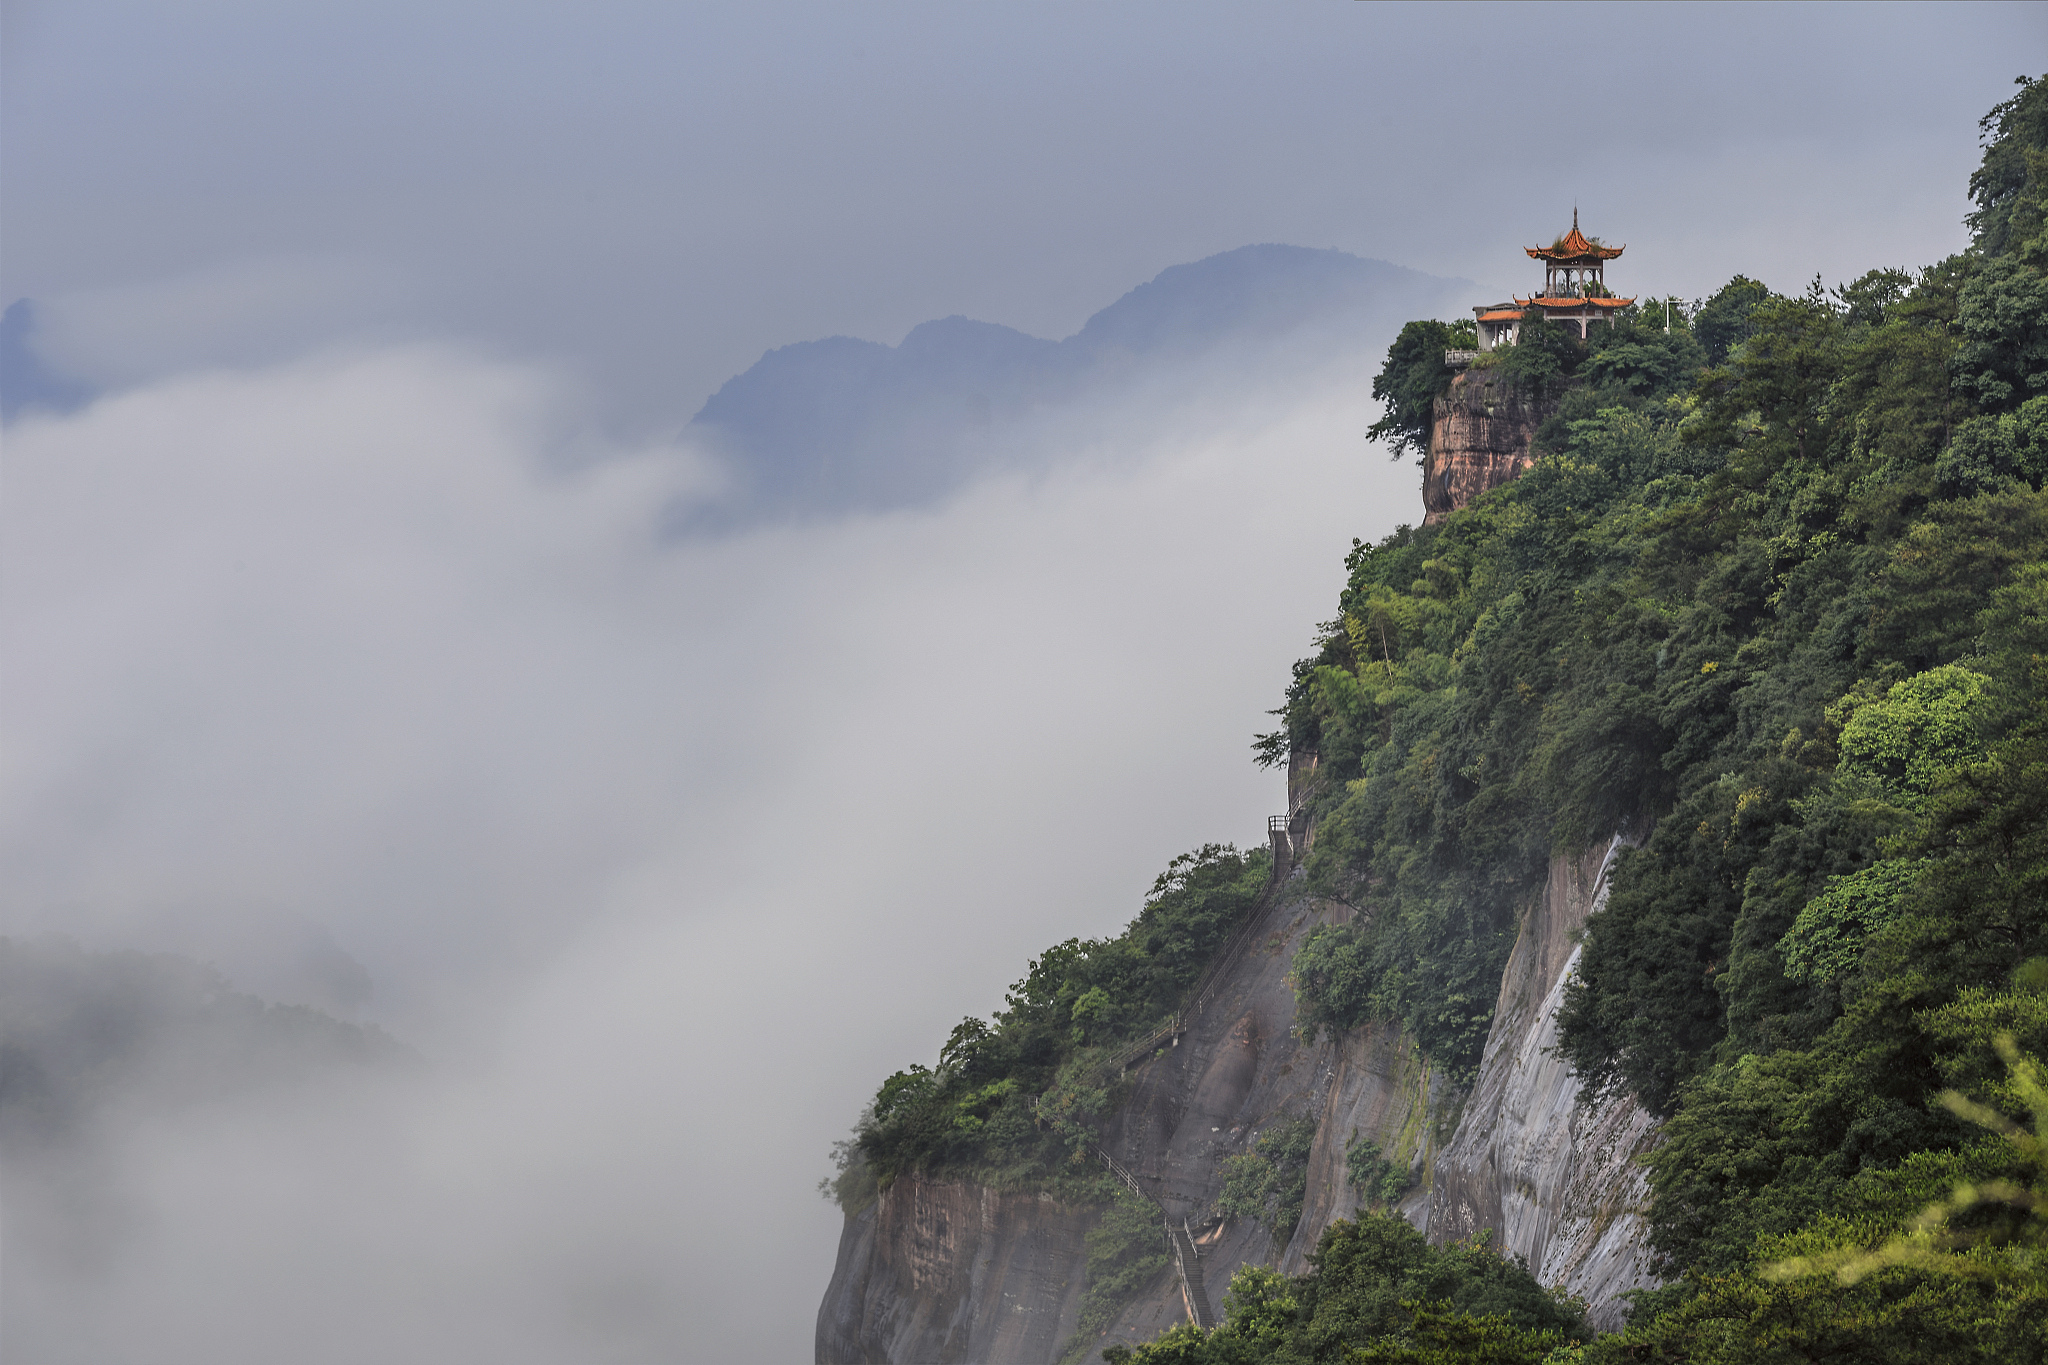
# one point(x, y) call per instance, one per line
point(1572, 289)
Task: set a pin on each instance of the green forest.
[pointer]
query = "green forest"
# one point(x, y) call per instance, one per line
point(1771, 605)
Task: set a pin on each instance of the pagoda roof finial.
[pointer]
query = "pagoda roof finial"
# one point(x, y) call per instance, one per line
point(1574, 246)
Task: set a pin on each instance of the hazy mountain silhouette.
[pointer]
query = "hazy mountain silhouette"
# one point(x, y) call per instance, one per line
point(26, 381)
point(842, 424)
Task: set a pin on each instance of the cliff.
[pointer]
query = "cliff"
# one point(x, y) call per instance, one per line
point(939, 1272)
point(1523, 677)
point(1558, 1183)
point(1479, 438)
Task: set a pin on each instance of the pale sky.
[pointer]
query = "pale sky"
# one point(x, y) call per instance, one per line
point(650, 195)
point(663, 853)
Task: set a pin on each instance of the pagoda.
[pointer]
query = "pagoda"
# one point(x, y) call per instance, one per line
point(1572, 290)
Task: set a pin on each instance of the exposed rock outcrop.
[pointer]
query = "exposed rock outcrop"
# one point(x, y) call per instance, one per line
point(1237, 1070)
point(942, 1271)
point(1384, 1094)
point(1479, 438)
point(1559, 1184)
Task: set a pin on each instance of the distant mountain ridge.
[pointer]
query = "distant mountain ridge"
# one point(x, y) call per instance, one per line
point(842, 424)
point(26, 380)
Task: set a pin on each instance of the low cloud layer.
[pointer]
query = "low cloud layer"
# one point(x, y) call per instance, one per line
point(663, 852)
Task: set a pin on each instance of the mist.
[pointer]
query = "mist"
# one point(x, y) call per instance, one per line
point(661, 852)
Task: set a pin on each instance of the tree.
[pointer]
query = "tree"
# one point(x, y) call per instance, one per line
point(2000, 185)
point(1545, 353)
point(1723, 322)
point(1412, 379)
point(1919, 730)
point(2003, 358)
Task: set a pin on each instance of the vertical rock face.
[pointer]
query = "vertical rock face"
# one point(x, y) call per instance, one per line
point(1478, 440)
point(1558, 1184)
point(1239, 1071)
point(913, 1284)
point(1382, 1094)
point(945, 1271)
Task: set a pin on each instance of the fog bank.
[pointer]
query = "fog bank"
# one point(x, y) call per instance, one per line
point(662, 852)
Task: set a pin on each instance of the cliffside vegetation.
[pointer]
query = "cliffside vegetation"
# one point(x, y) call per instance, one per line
point(1378, 1292)
point(1504, 685)
point(1269, 1182)
point(1773, 606)
point(1412, 379)
point(1014, 1101)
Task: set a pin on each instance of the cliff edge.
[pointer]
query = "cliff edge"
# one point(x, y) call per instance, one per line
point(1479, 437)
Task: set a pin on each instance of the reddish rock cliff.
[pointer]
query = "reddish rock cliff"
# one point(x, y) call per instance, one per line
point(1478, 440)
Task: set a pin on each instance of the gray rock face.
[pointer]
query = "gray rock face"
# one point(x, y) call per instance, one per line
point(1559, 1184)
point(944, 1271)
point(1381, 1092)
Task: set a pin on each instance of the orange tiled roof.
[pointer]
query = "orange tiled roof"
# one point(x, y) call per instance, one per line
point(1500, 315)
point(1573, 246)
point(1574, 303)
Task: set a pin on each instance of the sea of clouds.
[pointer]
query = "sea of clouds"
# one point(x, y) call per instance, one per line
point(662, 851)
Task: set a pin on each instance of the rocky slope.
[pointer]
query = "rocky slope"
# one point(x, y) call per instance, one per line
point(941, 1272)
point(1478, 439)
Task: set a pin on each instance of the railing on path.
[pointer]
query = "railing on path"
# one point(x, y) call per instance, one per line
point(1220, 965)
point(1116, 1169)
point(1186, 1256)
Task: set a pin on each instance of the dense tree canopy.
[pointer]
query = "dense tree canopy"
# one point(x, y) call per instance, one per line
point(1014, 1099)
point(1408, 384)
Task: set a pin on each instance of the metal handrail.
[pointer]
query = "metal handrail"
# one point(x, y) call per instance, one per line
point(1294, 807)
point(1233, 949)
point(1191, 1291)
point(1116, 1169)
